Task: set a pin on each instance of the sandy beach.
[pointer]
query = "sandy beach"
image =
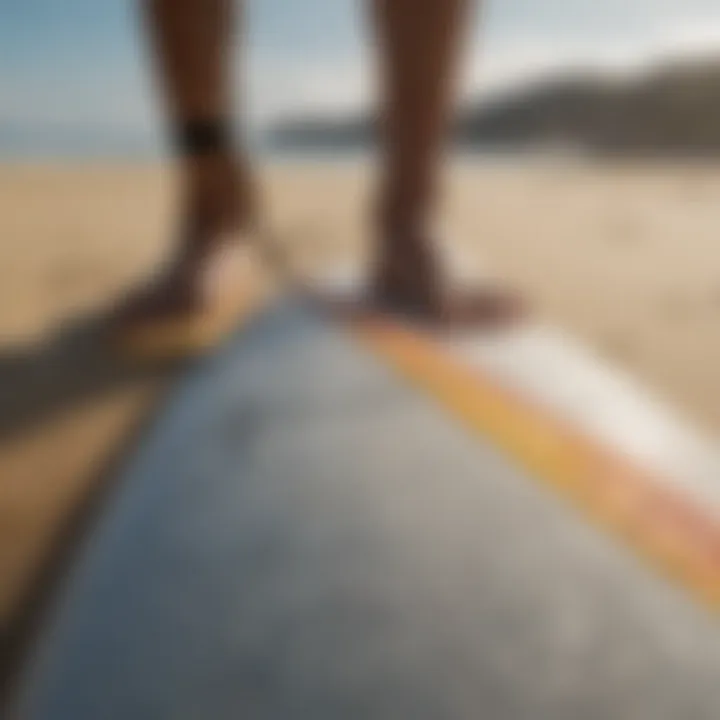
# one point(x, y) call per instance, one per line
point(625, 256)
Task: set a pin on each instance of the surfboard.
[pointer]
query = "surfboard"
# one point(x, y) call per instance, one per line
point(343, 521)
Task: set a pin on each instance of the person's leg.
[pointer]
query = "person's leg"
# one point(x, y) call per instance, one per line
point(192, 40)
point(192, 44)
point(419, 43)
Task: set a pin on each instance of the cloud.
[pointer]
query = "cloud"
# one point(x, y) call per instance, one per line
point(280, 87)
point(494, 63)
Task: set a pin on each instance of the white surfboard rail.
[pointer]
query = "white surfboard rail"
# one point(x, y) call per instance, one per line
point(549, 367)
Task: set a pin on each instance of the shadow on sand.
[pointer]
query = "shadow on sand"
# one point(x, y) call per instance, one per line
point(40, 383)
point(71, 368)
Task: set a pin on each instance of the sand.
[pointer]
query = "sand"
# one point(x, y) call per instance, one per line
point(626, 256)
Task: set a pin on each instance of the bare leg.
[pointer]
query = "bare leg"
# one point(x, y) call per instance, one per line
point(192, 43)
point(419, 43)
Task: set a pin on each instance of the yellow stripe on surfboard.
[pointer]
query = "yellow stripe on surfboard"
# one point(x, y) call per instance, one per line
point(660, 524)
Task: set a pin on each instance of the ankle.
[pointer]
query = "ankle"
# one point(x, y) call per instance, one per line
point(404, 217)
point(217, 193)
point(405, 235)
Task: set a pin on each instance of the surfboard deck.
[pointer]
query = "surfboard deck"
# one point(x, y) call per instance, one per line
point(304, 533)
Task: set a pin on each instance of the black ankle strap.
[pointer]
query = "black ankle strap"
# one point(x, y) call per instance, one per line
point(204, 137)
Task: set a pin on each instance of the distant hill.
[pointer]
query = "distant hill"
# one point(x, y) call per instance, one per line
point(674, 109)
point(322, 133)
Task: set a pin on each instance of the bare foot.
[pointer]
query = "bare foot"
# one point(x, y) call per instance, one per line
point(192, 283)
point(410, 281)
point(202, 273)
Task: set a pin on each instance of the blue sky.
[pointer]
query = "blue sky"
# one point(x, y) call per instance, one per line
point(80, 64)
